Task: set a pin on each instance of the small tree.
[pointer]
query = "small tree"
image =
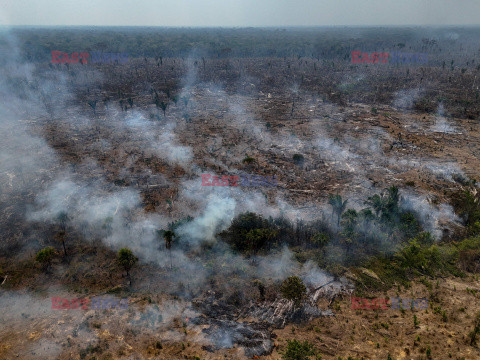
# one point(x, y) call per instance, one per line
point(175, 99)
point(293, 288)
point(45, 257)
point(126, 259)
point(248, 160)
point(93, 105)
point(163, 105)
point(298, 159)
point(61, 236)
point(415, 321)
point(258, 238)
point(168, 236)
point(319, 239)
point(476, 330)
point(3, 277)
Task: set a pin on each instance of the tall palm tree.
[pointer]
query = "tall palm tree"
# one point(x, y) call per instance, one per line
point(386, 203)
point(61, 236)
point(350, 220)
point(366, 216)
point(163, 105)
point(168, 235)
point(377, 203)
point(338, 206)
point(63, 218)
point(392, 200)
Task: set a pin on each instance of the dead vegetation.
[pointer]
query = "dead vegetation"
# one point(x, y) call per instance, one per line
point(327, 130)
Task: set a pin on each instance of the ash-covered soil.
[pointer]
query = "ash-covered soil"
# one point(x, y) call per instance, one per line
point(96, 158)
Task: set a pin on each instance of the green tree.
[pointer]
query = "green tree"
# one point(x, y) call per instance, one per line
point(298, 159)
point(168, 235)
point(467, 205)
point(93, 105)
point(163, 105)
point(249, 233)
point(409, 225)
point(62, 218)
point(45, 257)
point(366, 217)
point(126, 259)
point(248, 160)
point(293, 289)
point(338, 206)
point(186, 99)
point(319, 239)
point(349, 221)
point(377, 203)
point(385, 205)
point(258, 238)
point(391, 210)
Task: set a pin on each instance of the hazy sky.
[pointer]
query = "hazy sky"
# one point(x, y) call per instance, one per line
point(239, 12)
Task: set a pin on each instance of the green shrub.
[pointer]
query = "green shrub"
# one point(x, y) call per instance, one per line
point(126, 259)
point(258, 238)
point(293, 288)
point(476, 329)
point(469, 260)
point(467, 205)
point(249, 233)
point(45, 257)
point(409, 225)
point(428, 259)
point(300, 351)
point(298, 159)
point(248, 160)
point(415, 321)
point(320, 239)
